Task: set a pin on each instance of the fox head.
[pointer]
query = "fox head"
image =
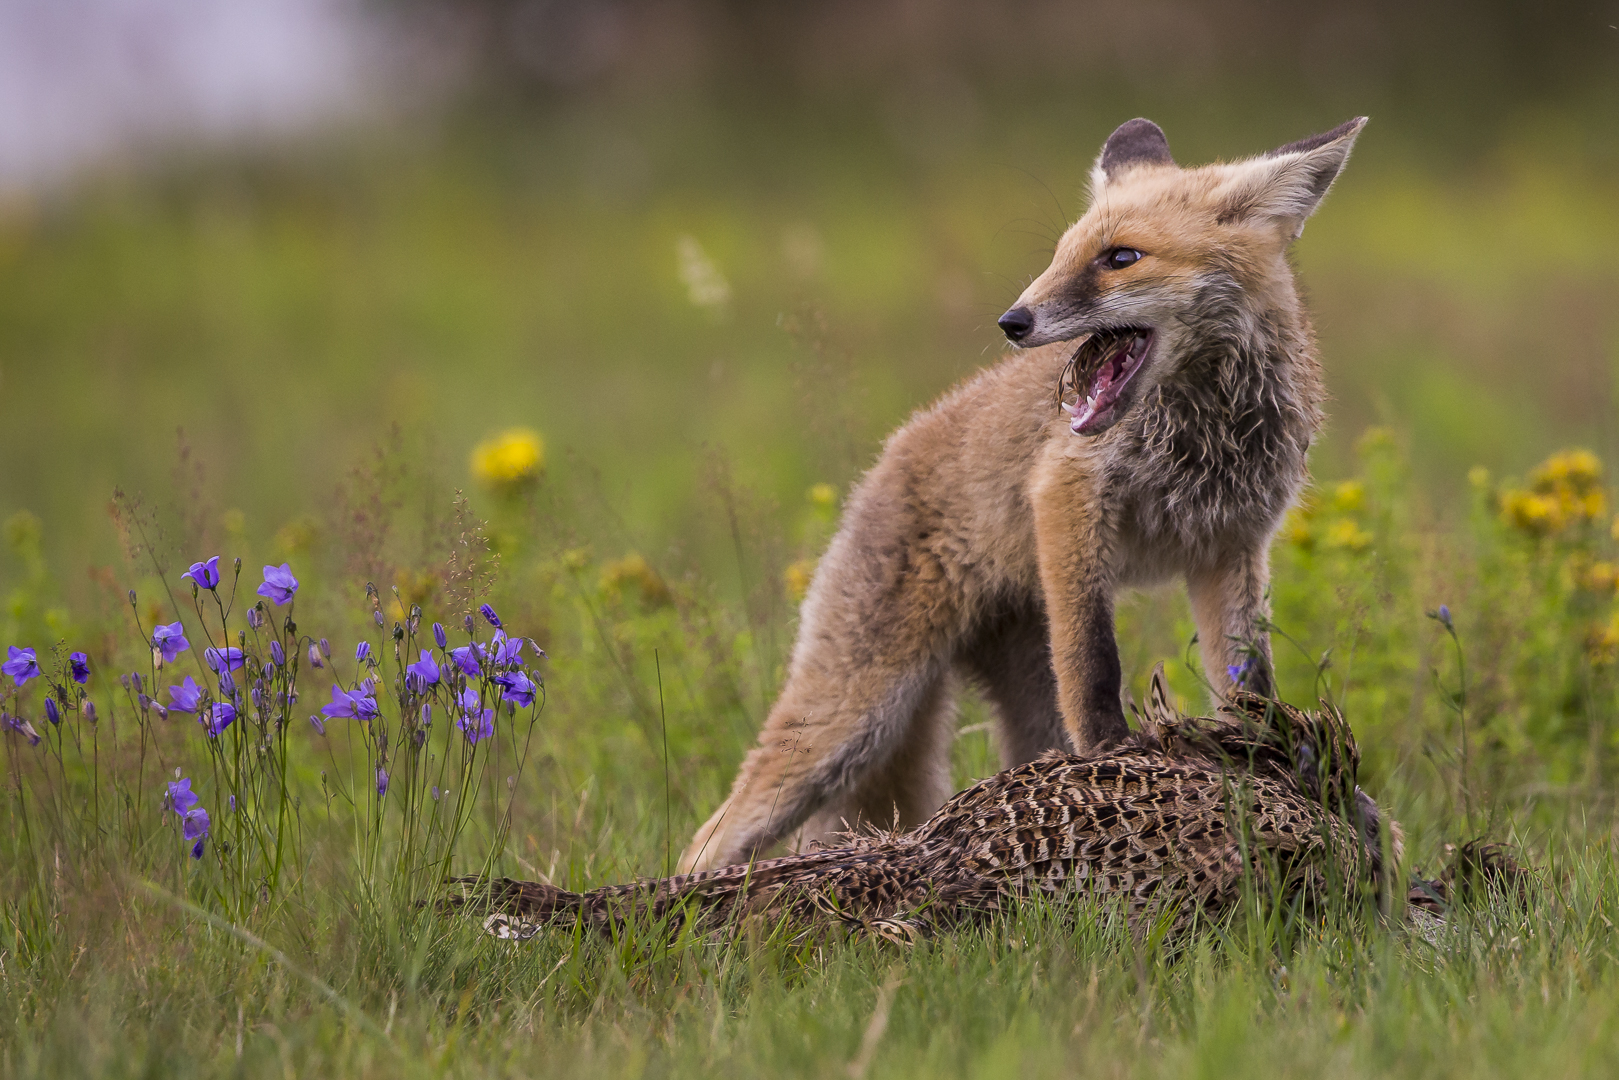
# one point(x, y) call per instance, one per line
point(1163, 253)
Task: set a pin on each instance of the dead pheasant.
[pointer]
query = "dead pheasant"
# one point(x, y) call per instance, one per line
point(1176, 822)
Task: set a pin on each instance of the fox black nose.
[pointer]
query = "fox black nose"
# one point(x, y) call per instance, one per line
point(1016, 323)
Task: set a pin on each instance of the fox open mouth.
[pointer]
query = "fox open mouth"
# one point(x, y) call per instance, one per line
point(1098, 373)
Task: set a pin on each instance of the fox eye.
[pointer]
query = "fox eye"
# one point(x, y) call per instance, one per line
point(1119, 258)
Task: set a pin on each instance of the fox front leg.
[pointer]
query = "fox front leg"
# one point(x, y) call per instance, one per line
point(1072, 540)
point(1228, 602)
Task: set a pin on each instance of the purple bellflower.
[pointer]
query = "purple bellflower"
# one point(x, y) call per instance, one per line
point(489, 613)
point(362, 651)
point(476, 723)
point(218, 718)
point(185, 697)
point(278, 656)
point(468, 658)
point(519, 688)
point(314, 656)
point(439, 636)
point(279, 584)
point(170, 640)
point(53, 711)
point(79, 665)
point(221, 661)
point(21, 727)
point(181, 797)
point(422, 674)
point(204, 575)
point(504, 653)
point(22, 665)
point(357, 705)
point(195, 826)
point(1239, 672)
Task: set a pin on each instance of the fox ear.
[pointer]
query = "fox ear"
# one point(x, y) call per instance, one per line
point(1134, 142)
point(1287, 184)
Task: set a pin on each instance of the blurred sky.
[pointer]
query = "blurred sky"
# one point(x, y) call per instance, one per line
point(81, 80)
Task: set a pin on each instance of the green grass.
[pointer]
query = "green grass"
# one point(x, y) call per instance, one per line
point(337, 329)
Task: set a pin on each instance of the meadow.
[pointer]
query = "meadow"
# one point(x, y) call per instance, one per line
point(612, 375)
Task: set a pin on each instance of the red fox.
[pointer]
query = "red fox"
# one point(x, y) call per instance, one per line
point(991, 536)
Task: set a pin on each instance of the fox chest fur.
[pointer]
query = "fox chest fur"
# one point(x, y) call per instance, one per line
point(1208, 464)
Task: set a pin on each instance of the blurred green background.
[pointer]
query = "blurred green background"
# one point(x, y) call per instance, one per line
point(667, 235)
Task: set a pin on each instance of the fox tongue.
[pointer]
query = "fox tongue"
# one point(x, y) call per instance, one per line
point(1114, 372)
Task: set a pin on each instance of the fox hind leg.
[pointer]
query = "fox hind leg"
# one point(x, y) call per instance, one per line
point(856, 747)
point(905, 789)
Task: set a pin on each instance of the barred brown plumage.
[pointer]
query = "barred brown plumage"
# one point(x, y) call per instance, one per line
point(1176, 822)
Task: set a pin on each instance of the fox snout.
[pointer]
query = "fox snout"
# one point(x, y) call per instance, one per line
point(1016, 324)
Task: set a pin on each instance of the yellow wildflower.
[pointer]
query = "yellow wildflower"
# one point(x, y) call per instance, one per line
point(509, 460)
point(797, 578)
point(823, 495)
point(1538, 515)
point(1602, 644)
point(297, 536)
point(1479, 477)
point(1345, 533)
point(1296, 528)
point(1565, 490)
point(1599, 577)
point(632, 569)
point(1349, 496)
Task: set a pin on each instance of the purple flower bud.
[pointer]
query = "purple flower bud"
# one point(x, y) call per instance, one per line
point(255, 617)
point(314, 657)
point(258, 700)
point(427, 715)
point(377, 615)
point(143, 701)
point(90, 710)
point(278, 655)
point(162, 713)
point(488, 612)
point(439, 636)
point(79, 664)
point(362, 651)
point(382, 781)
point(227, 685)
point(318, 724)
point(326, 648)
point(468, 623)
point(1444, 615)
point(131, 596)
point(135, 680)
point(123, 680)
point(435, 793)
point(53, 712)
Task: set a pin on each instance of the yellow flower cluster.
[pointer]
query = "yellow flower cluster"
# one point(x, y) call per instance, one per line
point(633, 570)
point(1602, 646)
point(797, 577)
point(1332, 523)
point(1564, 491)
point(509, 460)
